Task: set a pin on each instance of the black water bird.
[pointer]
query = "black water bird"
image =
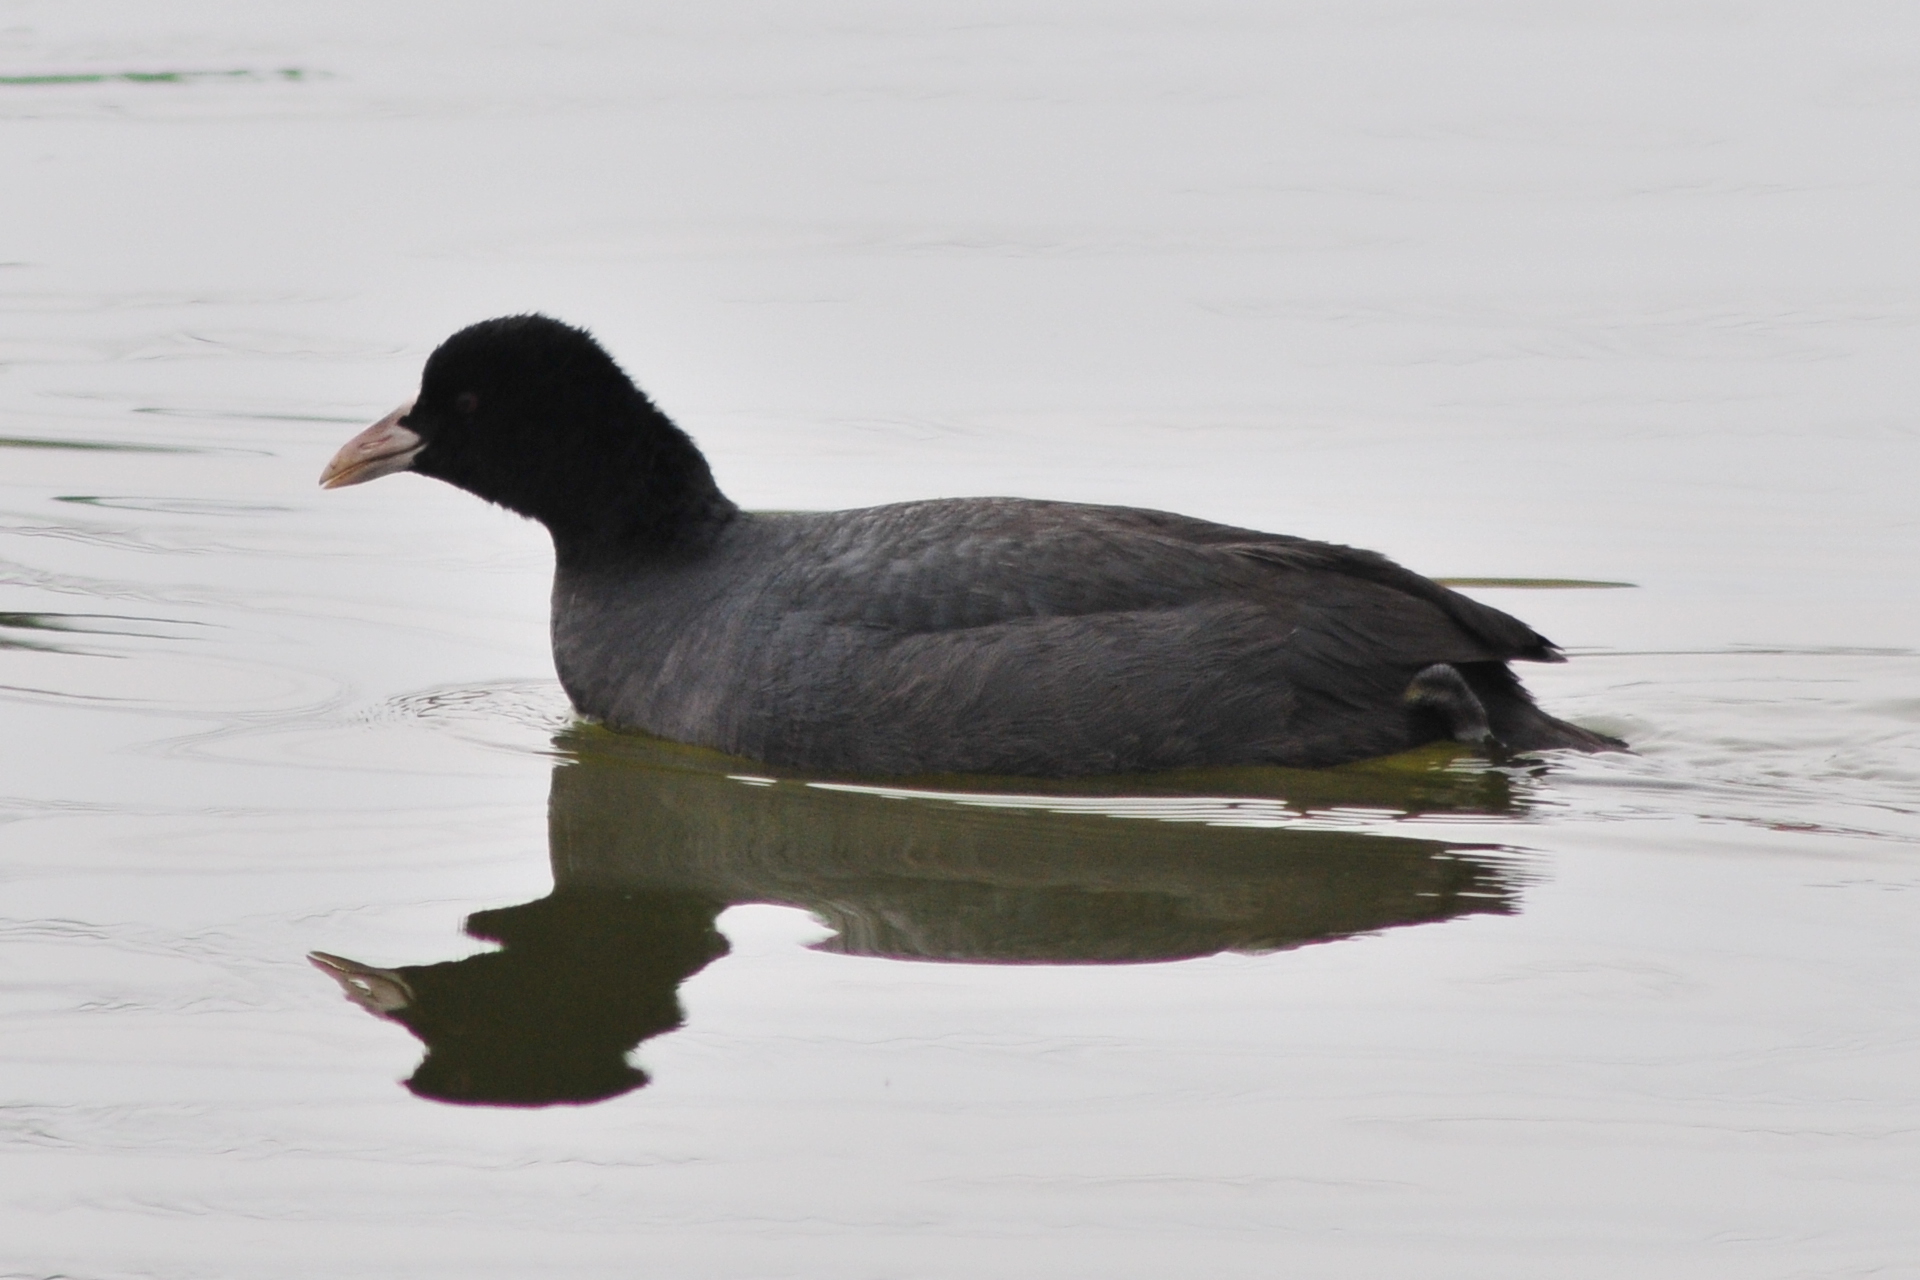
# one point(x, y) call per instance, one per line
point(970, 635)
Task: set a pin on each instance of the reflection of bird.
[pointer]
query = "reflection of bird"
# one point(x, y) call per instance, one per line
point(980, 635)
point(582, 978)
point(649, 842)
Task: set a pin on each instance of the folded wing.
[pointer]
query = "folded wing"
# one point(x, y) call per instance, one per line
point(985, 564)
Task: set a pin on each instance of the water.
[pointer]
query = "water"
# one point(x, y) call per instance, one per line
point(1618, 293)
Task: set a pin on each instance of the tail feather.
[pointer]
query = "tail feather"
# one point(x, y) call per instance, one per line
point(1518, 722)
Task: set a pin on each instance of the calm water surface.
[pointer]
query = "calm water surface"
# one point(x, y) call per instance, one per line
point(1621, 294)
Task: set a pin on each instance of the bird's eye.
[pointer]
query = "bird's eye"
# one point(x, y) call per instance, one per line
point(466, 402)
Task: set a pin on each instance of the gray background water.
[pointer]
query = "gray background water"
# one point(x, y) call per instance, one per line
point(1620, 292)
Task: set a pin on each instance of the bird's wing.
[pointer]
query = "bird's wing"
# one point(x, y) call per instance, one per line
point(926, 567)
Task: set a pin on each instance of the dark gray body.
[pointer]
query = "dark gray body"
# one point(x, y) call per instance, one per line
point(998, 635)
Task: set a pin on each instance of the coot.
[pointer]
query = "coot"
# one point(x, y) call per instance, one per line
point(968, 635)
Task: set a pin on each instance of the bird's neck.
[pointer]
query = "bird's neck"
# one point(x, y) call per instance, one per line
point(655, 497)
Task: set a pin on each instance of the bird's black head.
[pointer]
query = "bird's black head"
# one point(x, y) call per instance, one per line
point(532, 414)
